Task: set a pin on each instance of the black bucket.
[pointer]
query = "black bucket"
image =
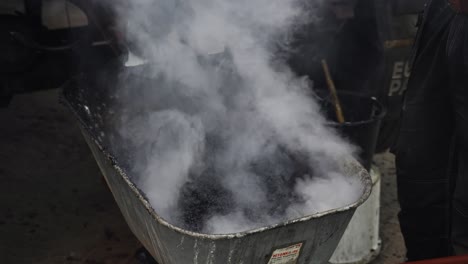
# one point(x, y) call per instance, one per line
point(363, 115)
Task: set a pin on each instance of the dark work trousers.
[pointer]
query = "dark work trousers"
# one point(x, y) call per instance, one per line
point(432, 149)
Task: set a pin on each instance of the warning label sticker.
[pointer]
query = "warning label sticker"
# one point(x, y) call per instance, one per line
point(287, 255)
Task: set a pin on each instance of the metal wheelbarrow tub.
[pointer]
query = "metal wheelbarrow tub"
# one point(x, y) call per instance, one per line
point(309, 240)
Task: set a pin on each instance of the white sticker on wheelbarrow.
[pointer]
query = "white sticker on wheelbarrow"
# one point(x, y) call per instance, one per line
point(287, 255)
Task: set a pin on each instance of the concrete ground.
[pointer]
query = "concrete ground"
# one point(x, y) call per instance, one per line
point(55, 207)
point(393, 248)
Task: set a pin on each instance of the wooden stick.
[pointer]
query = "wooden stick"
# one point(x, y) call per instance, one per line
point(332, 88)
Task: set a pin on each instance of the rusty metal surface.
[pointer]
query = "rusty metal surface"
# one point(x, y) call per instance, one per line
point(318, 234)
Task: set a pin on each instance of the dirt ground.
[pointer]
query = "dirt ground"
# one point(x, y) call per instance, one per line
point(55, 207)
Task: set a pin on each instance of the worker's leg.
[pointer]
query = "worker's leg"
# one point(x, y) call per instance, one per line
point(33, 10)
point(423, 187)
point(423, 149)
point(458, 62)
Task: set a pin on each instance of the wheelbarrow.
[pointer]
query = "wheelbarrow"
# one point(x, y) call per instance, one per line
point(311, 239)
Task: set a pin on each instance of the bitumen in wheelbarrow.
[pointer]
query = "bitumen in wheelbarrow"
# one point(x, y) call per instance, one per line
point(311, 239)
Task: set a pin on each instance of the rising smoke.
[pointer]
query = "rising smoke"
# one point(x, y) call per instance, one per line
point(223, 137)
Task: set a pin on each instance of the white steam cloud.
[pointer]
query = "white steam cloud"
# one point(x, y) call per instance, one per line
point(221, 121)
